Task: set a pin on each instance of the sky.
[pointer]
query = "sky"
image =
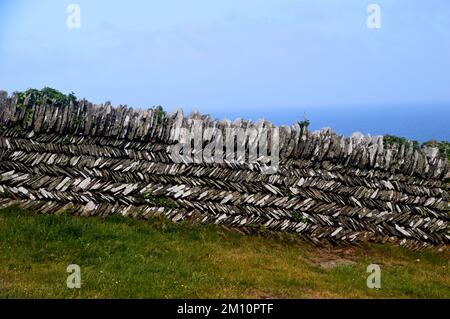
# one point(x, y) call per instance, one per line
point(276, 59)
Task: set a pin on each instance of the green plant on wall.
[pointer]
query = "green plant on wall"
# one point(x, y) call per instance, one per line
point(443, 146)
point(66, 140)
point(298, 217)
point(25, 122)
point(390, 140)
point(46, 95)
point(160, 115)
point(74, 127)
point(304, 125)
point(159, 201)
point(159, 112)
point(39, 97)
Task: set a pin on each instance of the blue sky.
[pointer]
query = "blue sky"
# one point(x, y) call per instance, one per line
point(276, 59)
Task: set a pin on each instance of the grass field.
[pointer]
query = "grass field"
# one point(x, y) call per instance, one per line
point(124, 258)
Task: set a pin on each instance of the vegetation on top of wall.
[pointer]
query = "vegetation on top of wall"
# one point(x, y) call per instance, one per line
point(159, 112)
point(390, 140)
point(303, 126)
point(46, 95)
point(443, 146)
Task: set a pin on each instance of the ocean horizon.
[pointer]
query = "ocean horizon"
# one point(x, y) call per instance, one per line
point(421, 122)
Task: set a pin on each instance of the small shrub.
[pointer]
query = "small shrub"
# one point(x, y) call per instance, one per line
point(304, 125)
point(46, 95)
point(39, 97)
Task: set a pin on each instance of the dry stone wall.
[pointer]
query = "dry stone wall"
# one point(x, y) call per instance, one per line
point(91, 159)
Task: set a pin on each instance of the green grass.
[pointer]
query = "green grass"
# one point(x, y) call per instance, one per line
point(125, 258)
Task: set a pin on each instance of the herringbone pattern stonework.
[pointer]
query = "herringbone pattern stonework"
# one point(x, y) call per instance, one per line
point(98, 160)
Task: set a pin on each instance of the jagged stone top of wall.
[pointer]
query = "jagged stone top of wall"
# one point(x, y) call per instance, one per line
point(84, 118)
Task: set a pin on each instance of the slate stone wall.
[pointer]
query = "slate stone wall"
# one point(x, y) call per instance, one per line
point(98, 160)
